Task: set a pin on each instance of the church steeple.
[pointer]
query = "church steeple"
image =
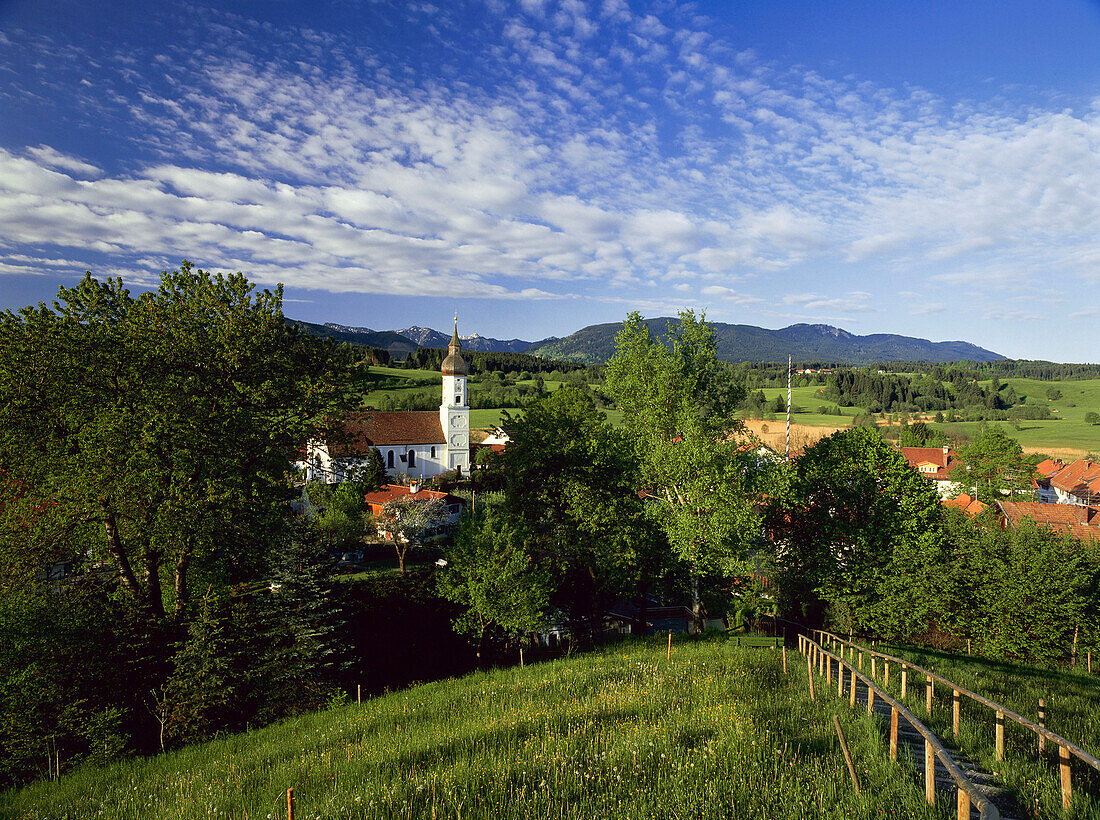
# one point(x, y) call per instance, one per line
point(454, 411)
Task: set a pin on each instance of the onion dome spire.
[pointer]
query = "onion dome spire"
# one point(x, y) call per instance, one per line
point(454, 364)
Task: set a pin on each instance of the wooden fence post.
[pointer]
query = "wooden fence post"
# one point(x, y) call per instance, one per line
point(893, 733)
point(1067, 786)
point(670, 646)
point(928, 696)
point(963, 811)
point(956, 700)
point(929, 772)
point(290, 804)
point(874, 669)
point(861, 660)
point(904, 679)
point(870, 700)
point(829, 671)
point(847, 756)
point(359, 693)
point(886, 674)
point(999, 741)
point(1042, 723)
point(968, 646)
point(852, 691)
point(810, 676)
point(784, 659)
point(840, 679)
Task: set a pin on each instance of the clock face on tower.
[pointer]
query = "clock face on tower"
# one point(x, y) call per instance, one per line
point(458, 440)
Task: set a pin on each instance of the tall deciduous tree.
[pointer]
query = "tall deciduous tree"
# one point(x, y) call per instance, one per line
point(572, 487)
point(993, 466)
point(490, 572)
point(858, 529)
point(678, 402)
point(166, 421)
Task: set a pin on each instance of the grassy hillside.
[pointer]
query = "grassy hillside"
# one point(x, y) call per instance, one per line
point(719, 732)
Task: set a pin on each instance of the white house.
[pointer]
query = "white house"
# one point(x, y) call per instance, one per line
point(415, 443)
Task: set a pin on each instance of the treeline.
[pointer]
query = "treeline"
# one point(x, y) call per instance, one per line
point(1001, 369)
point(431, 358)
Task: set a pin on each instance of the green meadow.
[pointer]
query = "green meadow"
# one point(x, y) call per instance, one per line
point(720, 731)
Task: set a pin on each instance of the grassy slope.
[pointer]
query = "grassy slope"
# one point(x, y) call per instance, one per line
point(719, 732)
point(1073, 711)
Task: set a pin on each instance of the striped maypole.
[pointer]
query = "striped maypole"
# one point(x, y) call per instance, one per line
point(788, 408)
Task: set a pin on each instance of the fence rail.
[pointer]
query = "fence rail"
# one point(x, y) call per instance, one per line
point(1065, 746)
point(967, 792)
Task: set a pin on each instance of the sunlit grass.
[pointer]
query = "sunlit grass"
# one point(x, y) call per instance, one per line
point(1072, 710)
point(719, 732)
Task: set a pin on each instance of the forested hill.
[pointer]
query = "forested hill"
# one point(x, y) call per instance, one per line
point(746, 343)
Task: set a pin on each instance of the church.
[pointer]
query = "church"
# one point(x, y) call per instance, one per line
point(413, 443)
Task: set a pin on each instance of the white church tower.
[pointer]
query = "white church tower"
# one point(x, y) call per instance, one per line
point(454, 412)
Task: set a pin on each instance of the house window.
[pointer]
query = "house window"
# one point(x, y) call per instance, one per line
point(458, 399)
point(412, 458)
point(389, 460)
point(433, 452)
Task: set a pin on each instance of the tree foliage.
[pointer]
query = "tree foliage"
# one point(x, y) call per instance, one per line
point(993, 466)
point(166, 421)
point(491, 574)
point(858, 529)
point(679, 403)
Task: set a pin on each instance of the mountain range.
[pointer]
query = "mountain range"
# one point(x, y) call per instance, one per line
point(595, 344)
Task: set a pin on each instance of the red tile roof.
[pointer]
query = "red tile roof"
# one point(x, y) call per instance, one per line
point(970, 506)
point(386, 428)
point(392, 492)
point(1049, 467)
point(1081, 478)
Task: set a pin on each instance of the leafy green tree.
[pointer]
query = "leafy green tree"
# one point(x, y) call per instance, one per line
point(678, 402)
point(571, 487)
point(993, 466)
point(338, 512)
point(167, 421)
point(916, 434)
point(491, 574)
point(1092, 417)
point(858, 529)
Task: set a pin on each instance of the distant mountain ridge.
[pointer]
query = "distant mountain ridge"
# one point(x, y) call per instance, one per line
point(595, 344)
point(746, 343)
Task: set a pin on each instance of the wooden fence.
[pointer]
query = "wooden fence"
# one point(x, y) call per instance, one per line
point(968, 793)
point(1066, 748)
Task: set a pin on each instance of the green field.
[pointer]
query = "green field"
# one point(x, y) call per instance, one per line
point(620, 733)
point(1067, 435)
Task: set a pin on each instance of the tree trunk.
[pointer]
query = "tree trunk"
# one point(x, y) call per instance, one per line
point(118, 553)
point(183, 591)
point(401, 560)
point(154, 596)
point(696, 602)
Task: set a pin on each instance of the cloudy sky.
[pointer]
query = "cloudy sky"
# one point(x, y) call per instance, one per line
point(931, 169)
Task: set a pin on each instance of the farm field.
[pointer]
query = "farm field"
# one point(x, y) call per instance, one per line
point(718, 732)
point(1072, 699)
point(1067, 436)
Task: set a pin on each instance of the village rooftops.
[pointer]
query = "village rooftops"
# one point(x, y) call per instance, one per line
point(395, 492)
point(386, 428)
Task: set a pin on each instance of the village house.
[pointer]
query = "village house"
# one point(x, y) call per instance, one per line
point(1044, 471)
point(414, 443)
point(936, 464)
point(967, 504)
point(1078, 483)
point(376, 500)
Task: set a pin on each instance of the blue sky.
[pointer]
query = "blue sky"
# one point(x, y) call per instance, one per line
point(931, 169)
